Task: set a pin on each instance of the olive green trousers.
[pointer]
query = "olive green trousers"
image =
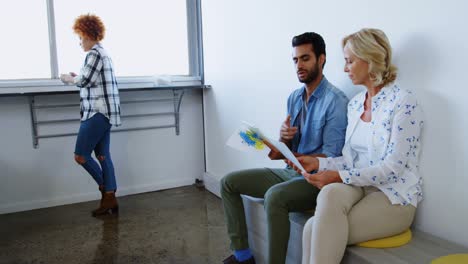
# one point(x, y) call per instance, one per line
point(284, 191)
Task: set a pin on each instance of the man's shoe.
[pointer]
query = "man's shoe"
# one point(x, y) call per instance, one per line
point(232, 260)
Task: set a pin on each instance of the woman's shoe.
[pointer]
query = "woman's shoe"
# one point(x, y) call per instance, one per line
point(108, 206)
point(101, 190)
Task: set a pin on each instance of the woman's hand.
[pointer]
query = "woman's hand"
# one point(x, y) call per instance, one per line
point(308, 162)
point(66, 78)
point(322, 178)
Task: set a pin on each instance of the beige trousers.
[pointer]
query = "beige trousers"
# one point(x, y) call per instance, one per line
point(346, 215)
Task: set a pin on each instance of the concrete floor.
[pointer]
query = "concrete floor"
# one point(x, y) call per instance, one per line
point(183, 225)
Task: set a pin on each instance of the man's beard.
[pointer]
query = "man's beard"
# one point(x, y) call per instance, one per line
point(312, 76)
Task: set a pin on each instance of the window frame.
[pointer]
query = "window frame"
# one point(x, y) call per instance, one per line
point(195, 52)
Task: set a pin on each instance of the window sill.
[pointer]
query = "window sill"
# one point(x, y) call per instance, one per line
point(125, 83)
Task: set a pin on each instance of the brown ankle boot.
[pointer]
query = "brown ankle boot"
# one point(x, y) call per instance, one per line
point(108, 206)
point(101, 190)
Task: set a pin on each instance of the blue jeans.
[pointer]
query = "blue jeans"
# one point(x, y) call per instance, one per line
point(94, 135)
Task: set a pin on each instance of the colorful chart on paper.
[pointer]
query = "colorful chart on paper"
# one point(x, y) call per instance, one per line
point(251, 139)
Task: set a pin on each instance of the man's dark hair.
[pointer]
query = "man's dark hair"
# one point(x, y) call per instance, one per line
point(318, 44)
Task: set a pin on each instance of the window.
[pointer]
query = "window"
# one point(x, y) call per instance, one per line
point(144, 38)
point(25, 42)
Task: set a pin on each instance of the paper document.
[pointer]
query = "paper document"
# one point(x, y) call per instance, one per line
point(249, 137)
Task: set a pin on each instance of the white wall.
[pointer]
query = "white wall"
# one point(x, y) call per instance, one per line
point(144, 160)
point(248, 63)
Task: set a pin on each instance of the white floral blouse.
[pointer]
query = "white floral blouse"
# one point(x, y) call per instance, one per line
point(394, 146)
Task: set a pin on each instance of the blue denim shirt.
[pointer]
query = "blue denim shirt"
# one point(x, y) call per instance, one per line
point(324, 128)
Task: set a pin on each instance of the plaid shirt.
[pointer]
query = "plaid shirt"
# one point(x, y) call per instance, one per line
point(98, 86)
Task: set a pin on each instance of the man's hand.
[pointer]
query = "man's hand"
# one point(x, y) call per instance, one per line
point(322, 178)
point(287, 132)
point(274, 154)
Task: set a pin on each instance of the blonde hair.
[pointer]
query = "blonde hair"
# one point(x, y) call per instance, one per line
point(372, 46)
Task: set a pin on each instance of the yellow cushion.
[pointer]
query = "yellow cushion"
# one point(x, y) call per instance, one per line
point(388, 242)
point(452, 259)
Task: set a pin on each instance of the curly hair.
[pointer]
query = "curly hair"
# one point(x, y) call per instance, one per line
point(372, 46)
point(89, 26)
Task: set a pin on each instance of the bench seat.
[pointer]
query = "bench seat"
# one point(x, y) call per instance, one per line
point(423, 248)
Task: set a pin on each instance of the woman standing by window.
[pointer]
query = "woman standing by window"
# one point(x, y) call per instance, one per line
point(100, 109)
